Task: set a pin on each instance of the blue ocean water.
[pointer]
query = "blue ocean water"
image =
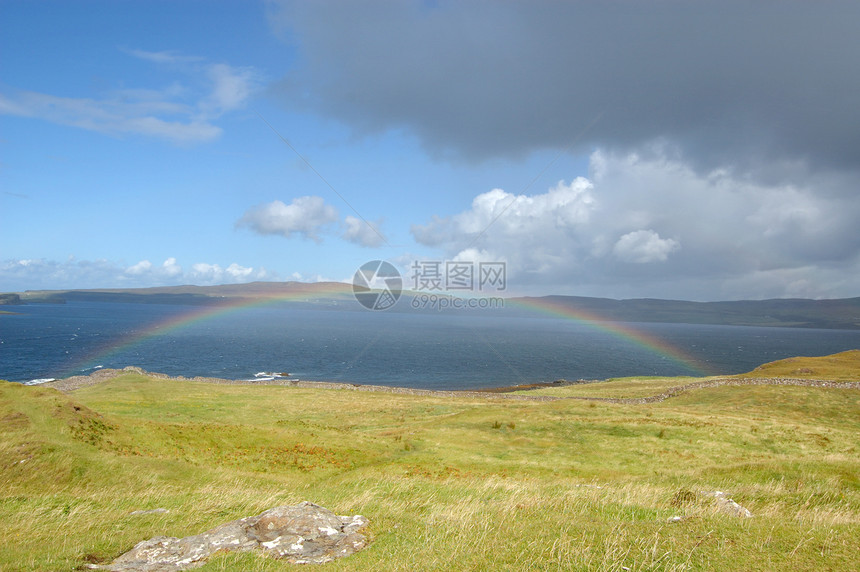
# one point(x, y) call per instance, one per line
point(419, 350)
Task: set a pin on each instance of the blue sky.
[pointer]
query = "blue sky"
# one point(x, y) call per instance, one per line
point(650, 151)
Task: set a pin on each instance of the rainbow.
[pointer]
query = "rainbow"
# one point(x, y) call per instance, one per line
point(310, 292)
point(220, 307)
point(650, 343)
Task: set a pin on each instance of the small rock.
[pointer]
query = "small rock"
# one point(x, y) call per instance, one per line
point(302, 534)
point(727, 505)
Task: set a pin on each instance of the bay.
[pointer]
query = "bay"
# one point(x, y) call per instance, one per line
point(420, 350)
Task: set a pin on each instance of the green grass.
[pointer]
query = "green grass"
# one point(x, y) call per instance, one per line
point(459, 483)
point(616, 387)
point(841, 366)
point(844, 366)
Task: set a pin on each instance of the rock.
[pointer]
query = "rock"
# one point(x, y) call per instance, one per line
point(300, 534)
point(727, 505)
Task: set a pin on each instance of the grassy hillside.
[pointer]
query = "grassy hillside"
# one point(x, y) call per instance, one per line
point(844, 366)
point(459, 483)
point(841, 366)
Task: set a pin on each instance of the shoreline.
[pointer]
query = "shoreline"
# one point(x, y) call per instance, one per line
point(73, 383)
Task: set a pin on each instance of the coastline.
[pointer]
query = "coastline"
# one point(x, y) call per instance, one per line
point(73, 383)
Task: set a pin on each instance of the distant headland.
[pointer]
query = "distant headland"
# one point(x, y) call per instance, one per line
point(841, 313)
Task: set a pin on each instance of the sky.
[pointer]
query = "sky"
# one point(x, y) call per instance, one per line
point(705, 150)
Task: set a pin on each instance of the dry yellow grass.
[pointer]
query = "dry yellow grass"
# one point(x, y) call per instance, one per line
point(448, 483)
point(844, 366)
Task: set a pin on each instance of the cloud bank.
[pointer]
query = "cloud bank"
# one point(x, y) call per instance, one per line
point(39, 274)
point(729, 81)
point(725, 158)
point(656, 227)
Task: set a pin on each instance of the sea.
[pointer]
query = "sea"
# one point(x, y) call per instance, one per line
point(424, 350)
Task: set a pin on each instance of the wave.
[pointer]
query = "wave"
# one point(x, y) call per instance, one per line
point(93, 368)
point(39, 381)
point(268, 376)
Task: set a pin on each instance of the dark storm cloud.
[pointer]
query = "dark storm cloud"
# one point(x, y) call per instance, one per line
point(724, 137)
point(730, 83)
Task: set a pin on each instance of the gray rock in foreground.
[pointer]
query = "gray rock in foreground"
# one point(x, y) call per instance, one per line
point(729, 506)
point(723, 504)
point(300, 534)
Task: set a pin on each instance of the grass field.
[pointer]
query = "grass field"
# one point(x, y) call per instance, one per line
point(615, 388)
point(451, 483)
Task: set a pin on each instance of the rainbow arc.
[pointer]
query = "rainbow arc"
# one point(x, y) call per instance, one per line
point(538, 306)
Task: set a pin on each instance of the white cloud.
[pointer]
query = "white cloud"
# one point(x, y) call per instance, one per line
point(42, 274)
point(534, 233)
point(647, 224)
point(206, 274)
point(239, 272)
point(168, 270)
point(641, 246)
point(204, 269)
point(304, 216)
point(175, 113)
point(141, 267)
point(113, 116)
point(231, 88)
point(164, 57)
point(475, 255)
point(311, 218)
point(503, 215)
point(171, 268)
point(363, 233)
point(10, 107)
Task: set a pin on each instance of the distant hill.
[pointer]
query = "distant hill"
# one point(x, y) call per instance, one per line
point(797, 312)
point(832, 314)
point(189, 294)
